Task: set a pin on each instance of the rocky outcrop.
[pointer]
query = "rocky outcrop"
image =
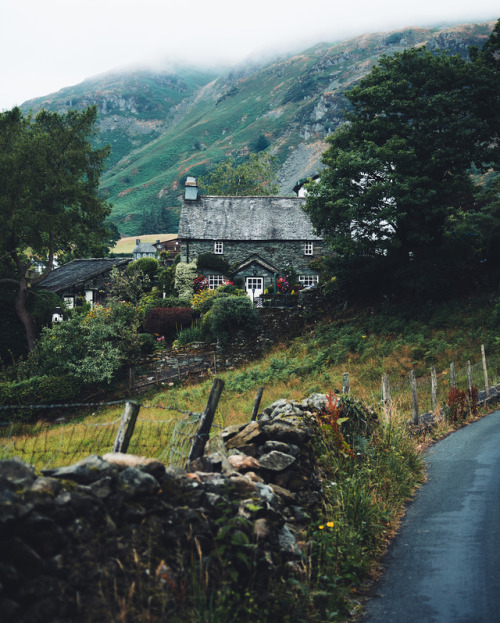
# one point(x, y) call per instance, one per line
point(78, 542)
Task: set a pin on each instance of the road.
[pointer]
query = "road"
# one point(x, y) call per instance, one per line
point(444, 566)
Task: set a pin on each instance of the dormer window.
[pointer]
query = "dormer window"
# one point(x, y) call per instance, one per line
point(218, 247)
point(308, 248)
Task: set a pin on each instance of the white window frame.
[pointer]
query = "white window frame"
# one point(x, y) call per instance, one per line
point(308, 280)
point(308, 248)
point(69, 301)
point(214, 281)
point(218, 247)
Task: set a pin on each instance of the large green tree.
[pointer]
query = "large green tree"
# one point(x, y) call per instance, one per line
point(398, 172)
point(255, 176)
point(49, 199)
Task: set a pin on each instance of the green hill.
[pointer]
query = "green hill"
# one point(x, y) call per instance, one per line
point(164, 125)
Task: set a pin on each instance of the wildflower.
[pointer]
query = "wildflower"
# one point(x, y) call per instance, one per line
point(329, 524)
point(321, 527)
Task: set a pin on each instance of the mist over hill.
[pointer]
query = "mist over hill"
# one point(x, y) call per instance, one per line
point(170, 122)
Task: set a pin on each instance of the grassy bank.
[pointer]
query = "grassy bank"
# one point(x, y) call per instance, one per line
point(366, 481)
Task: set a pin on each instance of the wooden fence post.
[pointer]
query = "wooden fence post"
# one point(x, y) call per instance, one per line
point(386, 398)
point(256, 404)
point(126, 428)
point(453, 382)
point(469, 375)
point(207, 417)
point(485, 370)
point(434, 387)
point(346, 383)
point(413, 386)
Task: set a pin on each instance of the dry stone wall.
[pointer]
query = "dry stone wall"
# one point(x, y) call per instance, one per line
point(79, 542)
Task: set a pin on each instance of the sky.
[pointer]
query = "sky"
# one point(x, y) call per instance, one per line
point(51, 44)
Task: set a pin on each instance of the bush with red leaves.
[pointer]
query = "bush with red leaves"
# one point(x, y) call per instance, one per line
point(167, 321)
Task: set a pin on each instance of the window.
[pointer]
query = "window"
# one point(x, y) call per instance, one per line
point(308, 248)
point(218, 247)
point(214, 281)
point(308, 280)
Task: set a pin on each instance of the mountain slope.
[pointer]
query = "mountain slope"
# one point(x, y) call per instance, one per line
point(165, 125)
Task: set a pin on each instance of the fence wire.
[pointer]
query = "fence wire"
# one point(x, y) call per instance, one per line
point(58, 444)
point(401, 394)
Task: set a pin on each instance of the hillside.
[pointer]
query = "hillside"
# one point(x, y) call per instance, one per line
point(166, 124)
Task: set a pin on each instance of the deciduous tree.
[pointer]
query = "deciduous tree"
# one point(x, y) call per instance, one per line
point(255, 176)
point(400, 168)
point(49, 198)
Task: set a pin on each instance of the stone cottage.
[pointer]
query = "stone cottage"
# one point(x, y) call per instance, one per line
point(144, 249)
point(83, 280)
point(258, 237)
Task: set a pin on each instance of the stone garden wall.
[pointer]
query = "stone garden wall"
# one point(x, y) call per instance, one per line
point(78, 543)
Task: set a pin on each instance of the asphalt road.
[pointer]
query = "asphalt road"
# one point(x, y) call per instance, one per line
point(444, 566)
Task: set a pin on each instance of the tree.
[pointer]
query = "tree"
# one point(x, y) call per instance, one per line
point(399, 169)
point(49, 200)
point(255, 176)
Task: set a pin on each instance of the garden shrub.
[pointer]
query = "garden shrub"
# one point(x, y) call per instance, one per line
point(147, 343)
point(213, 262)
point(150, 301)
point(38, 390)
point(229, 314)
point(167, 321)
point(147, 265)
point(184, 276)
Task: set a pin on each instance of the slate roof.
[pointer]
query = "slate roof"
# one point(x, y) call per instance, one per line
point(77, 272)
point(245, 218)
point(145, 247)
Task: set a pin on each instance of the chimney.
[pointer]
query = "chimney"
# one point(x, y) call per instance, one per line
point(137, 241)
point(191, 193)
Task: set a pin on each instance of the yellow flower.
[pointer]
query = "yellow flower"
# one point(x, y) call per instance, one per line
point(321, 527)
point(329, 524)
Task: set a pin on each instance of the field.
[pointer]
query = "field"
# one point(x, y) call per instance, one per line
point(126, 245)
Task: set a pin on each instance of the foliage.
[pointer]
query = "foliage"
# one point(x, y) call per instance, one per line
point(91, 347)
point(184, 276)
point(166, 321)
point(283, 285)
point(202, 301)
point(38, 390)
point(127, 285)
point(255, 176)
point(149, 301)
point(147, 265)
point(330, 421)
point(215, 262)
point(200, 283)
point(49, 197)
point(188, 335)
point(399, 170)
point(461, 403)
point(229, 314)
point(166, 280)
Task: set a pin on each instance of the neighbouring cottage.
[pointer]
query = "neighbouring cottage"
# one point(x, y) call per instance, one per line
point(258, 237)
point(144, 249)
point(83, 280)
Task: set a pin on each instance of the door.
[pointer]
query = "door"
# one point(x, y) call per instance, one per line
point(254, 287)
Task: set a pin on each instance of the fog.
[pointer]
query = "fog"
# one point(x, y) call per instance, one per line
point(45, 46)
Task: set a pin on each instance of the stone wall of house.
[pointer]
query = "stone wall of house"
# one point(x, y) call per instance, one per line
point(80, 543)
point(279, 253)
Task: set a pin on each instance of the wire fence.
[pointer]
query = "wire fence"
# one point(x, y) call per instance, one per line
point(400, 388)
point(170, 436)
point(58, 444)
